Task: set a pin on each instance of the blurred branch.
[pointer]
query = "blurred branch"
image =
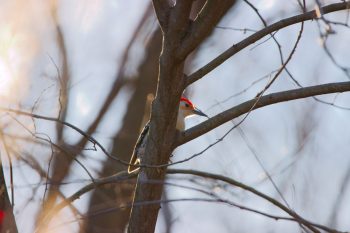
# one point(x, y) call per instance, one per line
point(339, 201)
point(123, 176)
point(138, 108)
point(119, 177)
point(266, 100)
point(53, 145)
point(261, 164)
point(209, 200)
point(58, 160)
point(29, 160)
point(64, 80)
point(260, 34)
point(119, 82)
point(273, 201)
point(90, 138)
point(33, 163)
point(167, 213)
point(214, 198)
point(221, 118)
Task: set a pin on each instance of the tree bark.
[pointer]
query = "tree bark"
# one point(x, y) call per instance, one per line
point(180, 37)
point(159, 147)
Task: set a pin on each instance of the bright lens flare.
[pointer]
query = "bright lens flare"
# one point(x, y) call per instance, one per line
point(6, 79)
point(12, 60)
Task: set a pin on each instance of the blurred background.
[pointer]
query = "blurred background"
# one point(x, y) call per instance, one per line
point(94, 64)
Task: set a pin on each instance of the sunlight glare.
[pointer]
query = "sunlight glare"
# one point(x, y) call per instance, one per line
point(88, 14)
point(266, 4)
point(83, 104)
point(6, 79)
point(9, 62)
point(15, 60)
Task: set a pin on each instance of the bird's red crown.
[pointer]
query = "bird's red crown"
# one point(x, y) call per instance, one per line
point(187, 101)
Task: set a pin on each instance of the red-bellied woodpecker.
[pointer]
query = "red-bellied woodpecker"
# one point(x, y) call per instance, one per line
point(186, 109)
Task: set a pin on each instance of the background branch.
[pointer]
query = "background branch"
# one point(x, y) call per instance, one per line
point(260, 34)
point(202, 26)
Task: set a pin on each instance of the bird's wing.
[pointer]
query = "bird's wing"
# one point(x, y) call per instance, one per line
point(135, 160)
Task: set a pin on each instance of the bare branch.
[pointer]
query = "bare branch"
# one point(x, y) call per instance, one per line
point(123, 176)
point(119, 177)
point(284, 64)
point(171, 83)
point(89, 137)
point(245, 107)
point(119, 82)
point(260, 34)
point(273, 201)
point(47, 139)
point(203, 24)
point(162, 9)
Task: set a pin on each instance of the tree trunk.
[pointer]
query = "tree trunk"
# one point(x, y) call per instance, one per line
point(159, 147)
point(181, 36)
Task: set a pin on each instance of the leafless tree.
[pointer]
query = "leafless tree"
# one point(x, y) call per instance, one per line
point(171, 36)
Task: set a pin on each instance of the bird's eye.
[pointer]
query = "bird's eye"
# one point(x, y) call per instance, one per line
point(187, 105)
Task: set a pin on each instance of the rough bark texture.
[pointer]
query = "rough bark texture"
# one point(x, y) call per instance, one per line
point(176, 29)
point(162, 128)
point(162, 134)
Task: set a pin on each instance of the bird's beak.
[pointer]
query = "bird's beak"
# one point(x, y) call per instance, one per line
point(199, 112)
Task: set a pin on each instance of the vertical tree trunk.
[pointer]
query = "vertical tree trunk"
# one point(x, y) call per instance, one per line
point(160, 146)
point(181, 36)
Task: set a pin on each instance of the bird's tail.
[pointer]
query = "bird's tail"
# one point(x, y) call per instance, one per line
point(133, 164)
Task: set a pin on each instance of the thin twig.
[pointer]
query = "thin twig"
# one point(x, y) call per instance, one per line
point(255, 192)
point(48, 140)
point(53, 119)
point(260, 34)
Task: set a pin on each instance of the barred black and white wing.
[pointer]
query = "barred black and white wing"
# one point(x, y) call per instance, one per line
point(139, 149)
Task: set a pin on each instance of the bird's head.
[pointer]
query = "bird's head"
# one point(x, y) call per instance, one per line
point(187, 108)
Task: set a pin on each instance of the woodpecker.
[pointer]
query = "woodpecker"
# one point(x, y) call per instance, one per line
point(186, 109)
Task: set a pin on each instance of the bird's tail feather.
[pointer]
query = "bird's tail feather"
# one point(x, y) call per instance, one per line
point(133, 166)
